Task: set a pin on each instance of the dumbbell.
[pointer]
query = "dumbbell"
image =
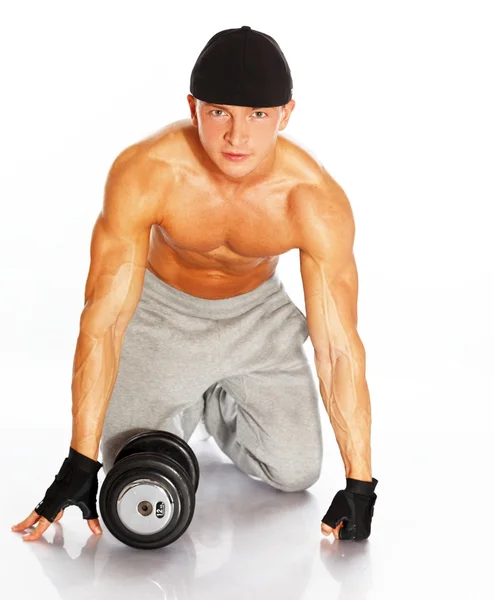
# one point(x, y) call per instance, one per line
point(147, 498)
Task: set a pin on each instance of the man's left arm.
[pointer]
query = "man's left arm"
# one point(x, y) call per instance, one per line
point(330, 282)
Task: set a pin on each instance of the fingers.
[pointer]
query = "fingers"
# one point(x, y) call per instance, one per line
point(44, 524)
point(38, 532)
point(59, 516)
point(29, 522)
point(32, 520)
point(327, 530)
point(337, 534)
point(94, 526)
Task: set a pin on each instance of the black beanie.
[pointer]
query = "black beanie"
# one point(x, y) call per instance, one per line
point(242, 67)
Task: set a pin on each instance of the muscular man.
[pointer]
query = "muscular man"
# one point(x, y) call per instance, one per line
point(185, 317)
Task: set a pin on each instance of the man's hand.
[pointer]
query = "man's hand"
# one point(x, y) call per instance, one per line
point(75, 484)
point(350, 515)
point(43, 525)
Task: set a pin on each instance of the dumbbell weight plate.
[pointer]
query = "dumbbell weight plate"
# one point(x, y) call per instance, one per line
point(146, 500)
point(166, 444)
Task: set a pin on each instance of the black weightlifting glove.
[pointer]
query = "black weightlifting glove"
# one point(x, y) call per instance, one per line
point(355, 507)
point(76, 483)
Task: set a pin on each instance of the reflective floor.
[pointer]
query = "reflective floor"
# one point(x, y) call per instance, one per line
point(250, 541)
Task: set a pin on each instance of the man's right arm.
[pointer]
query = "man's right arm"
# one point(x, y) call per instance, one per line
point(119, 251)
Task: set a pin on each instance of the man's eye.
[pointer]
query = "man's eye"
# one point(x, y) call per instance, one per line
point(260, 112)
point(216, 110)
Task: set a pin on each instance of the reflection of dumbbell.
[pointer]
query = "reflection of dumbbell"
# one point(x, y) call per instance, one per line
point(147, 498)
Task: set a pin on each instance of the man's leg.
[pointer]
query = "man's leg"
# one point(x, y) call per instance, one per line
point(267, 420)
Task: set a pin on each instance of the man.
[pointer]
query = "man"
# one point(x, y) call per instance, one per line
point(185, 317)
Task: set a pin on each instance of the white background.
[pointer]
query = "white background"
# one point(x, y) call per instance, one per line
point(395, 99)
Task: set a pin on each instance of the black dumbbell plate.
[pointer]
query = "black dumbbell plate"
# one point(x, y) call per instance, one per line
point(167, 444)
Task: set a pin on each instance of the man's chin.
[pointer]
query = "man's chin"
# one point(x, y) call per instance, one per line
point(234, 170)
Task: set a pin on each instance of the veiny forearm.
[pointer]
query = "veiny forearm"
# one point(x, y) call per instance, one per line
point(111, 295)
point(345, 394)
point(95, 370)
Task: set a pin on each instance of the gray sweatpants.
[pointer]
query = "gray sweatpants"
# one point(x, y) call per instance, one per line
point(238, 361)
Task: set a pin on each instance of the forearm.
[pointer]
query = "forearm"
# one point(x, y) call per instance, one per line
point(95, 370)
point(345, 394)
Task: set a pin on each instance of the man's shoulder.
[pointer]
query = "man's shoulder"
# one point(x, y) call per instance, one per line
point(300, 156)
point(158, 147)
point(141, 178)
point(314, 190)
point(318, 203)
point(150, 163)
point(308, 174)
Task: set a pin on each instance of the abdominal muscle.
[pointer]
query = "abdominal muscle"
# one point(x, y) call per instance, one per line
point(215, 274)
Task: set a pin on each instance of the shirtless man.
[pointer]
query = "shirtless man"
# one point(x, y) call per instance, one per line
point(183, 303)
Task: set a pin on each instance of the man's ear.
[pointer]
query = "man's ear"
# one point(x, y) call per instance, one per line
point(193, 102)
point(286, 111)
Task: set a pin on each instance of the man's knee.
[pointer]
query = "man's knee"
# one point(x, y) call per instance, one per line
point(302, 482)
point(290, 479)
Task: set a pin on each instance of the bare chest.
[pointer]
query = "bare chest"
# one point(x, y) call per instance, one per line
point(229, 229)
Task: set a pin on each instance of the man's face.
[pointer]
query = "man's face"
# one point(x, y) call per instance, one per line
point(243, 130)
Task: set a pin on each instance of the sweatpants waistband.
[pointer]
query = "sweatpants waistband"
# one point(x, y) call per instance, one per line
point(221, 308)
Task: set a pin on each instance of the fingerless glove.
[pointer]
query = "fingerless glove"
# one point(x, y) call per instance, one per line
point(355, 507)
point(76, 483)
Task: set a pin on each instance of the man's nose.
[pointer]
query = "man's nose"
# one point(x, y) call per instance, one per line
point(237, 135)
